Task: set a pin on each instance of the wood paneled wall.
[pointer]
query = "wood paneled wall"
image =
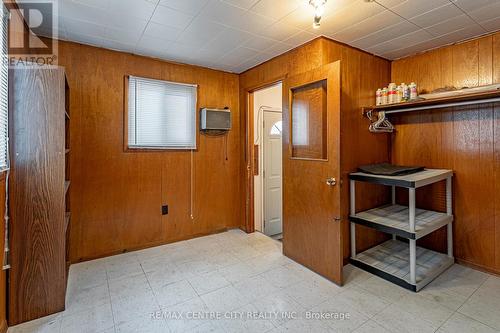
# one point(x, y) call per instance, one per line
point(116, 196)
point(465, 139)
point(361, 74)
point(3, 274)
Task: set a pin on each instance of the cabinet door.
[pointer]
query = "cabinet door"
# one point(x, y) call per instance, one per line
point(37, 277)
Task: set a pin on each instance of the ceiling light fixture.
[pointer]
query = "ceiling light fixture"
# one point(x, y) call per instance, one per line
point(319, 8)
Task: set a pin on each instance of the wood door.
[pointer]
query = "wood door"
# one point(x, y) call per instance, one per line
point(311, 168)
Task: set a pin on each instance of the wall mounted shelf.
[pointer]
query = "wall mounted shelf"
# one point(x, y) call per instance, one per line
point(437, 103)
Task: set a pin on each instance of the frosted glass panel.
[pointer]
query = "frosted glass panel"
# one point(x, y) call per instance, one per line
point(309, 121)
point(161, 114)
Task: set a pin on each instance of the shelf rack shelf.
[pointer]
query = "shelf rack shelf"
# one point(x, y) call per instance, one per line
point(403, 263)
point(437, 103)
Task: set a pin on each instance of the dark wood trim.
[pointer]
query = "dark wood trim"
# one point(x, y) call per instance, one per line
point(249, 167)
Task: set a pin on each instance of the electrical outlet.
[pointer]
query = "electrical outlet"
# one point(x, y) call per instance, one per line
point(164, 210)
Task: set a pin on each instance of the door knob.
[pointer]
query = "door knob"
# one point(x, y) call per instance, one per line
point(331, 182)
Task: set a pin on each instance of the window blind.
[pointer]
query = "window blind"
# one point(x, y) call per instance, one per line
point(4, 88)
point(161, 114)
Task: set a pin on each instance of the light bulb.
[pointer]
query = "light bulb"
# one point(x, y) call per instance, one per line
point(319, 9)
point(316, 22)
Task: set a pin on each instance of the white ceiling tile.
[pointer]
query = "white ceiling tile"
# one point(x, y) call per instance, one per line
point(279, 31)
point(190, 7)
point(171, 17)
point(234, 35)
point(390, 3)
point(485, 13)
point(412, 8)
point(259, 43)
point(221, 12)
point(84, 39)
point(251, 22)
point(200, 32)
point(152, 44)
point(118, 46)
point(128, 23)
point(162, 32)
point(210, 54)
point(228, 39)
point(491, 25)
point(450, 25)
point(384, 35)
point(245, 4)
point(83, 27)
point(462, 34)
point(77, 11)
point(138, 8)
point(301, 18)
point(101, 4)
point(407, 40)
point(299, 38)
point(178, 51)
point(470, 5)
point(278, 48)
point(368, 26)
point(123, 36)
point(249, 64)
point(275, 9)
point(437, 15)
point(238, 56)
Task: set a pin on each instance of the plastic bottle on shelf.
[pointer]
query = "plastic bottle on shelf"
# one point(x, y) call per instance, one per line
point(399, 94)
point(378, 94)
point(391, 93)
point(413, 91)
point(404, 92)
point(384, 96)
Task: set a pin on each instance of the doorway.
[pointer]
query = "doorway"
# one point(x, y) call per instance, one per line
point(268, 165)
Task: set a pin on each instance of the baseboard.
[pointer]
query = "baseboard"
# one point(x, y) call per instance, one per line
point(149, 245)
point(478, 267)
point(3, 326)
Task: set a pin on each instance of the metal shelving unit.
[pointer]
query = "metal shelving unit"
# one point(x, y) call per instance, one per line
point(398, 261)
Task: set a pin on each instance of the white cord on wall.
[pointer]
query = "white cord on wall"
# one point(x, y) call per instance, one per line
point(191, 208)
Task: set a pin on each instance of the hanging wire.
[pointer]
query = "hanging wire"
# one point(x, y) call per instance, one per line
point(191, 208)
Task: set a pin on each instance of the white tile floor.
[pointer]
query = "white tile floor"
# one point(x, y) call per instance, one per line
point(233, 274)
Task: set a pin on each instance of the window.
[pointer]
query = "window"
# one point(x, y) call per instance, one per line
point(161, 114)
point(277, 127)
point(4, 88)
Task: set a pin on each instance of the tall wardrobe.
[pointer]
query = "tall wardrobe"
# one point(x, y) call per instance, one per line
point(39, 191)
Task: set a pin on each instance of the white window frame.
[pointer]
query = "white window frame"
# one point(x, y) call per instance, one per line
point(138, 146)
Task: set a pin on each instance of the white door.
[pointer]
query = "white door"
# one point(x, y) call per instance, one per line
point(272, 173)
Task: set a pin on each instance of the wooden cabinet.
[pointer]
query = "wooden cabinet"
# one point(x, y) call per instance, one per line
point(39, 190)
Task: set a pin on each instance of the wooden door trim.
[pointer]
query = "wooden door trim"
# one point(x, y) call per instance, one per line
point(248, 167)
